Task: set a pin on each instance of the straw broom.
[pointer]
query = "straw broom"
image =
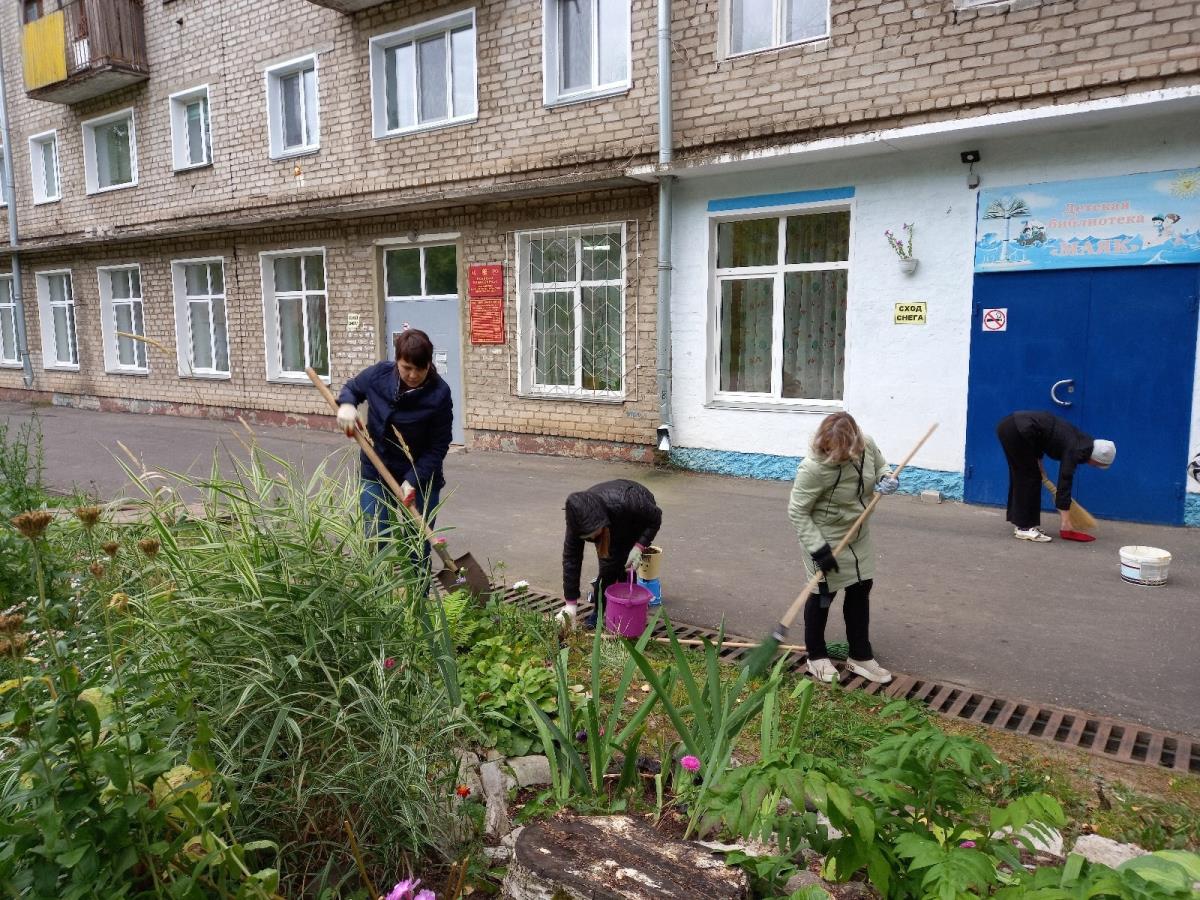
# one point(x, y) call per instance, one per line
point(1081, 519)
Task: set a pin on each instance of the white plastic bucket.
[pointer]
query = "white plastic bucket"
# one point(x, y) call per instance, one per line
point(1144, 565)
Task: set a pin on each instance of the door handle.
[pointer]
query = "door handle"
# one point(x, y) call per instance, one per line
point(1070, 383)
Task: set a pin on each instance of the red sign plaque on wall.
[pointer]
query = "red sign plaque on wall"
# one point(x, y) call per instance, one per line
point(485, 288)
point(485, 280)
point(487, 320)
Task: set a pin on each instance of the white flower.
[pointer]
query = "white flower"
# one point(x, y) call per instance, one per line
point(520, 585)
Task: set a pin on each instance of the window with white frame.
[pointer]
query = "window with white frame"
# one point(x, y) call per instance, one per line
point(424, 77)
point(779, 291)
point(571, 285)
point(110, 152)
point(56, 311)
point(191, 136)
point(201, 331)
point(295, 304)
point(43, 163)
point(586, 49)
point(122, 322)
point(763, 24)
point(10, 352)
point(292, 108)
point(3, 181)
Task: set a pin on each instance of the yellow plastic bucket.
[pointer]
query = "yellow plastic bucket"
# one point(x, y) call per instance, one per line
point(651, 563)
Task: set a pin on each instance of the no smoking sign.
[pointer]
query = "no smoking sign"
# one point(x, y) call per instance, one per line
point(995, 319)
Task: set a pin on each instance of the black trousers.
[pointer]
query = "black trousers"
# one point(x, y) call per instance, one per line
point(856, 609)
point(1024, 476)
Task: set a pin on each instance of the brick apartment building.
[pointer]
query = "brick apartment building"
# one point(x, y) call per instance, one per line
point(257, 186)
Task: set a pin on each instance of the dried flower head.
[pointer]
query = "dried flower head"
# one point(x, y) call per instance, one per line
point(97, 569)
point(32, 524)
point(110, 547)
point(88, 515)
point(150, 546)
point(14, 644)
point(11, 622)
point(118, 601)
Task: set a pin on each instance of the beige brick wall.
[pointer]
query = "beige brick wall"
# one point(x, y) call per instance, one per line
point(899, 63)
point(886, 63)
point(352, 262)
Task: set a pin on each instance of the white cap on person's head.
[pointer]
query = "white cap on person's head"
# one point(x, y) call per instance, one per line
point(1103, 452)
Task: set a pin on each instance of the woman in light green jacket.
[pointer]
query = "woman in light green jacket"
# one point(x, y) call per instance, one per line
point(833, 486)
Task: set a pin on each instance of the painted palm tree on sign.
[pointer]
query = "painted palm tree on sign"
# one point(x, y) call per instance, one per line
point(1007, 209)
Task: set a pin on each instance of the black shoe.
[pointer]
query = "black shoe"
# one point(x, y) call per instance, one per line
point(590, 622)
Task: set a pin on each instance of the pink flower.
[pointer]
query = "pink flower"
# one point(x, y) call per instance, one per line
point(407, 890)
point(969, 845)
point(389, 663)
point(691, 763)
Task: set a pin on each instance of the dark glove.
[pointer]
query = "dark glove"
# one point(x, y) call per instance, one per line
point(825, 560)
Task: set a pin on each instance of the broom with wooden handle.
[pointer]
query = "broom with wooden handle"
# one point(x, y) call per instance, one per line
point(760, 659)
point(1080, 517)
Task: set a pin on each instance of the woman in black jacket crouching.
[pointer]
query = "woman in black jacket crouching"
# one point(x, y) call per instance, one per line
point(621, 518)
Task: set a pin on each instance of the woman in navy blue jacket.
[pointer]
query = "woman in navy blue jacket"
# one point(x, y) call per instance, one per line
point(409, 397)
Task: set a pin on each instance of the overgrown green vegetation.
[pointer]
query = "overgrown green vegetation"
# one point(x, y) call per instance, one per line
point(254, 700)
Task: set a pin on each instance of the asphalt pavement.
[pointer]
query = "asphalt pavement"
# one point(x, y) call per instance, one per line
point(955, 599)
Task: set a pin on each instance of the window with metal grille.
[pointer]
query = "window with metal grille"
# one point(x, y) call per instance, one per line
point(572, 311)
point(780, 307)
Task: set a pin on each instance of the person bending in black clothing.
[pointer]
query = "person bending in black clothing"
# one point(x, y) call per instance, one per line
point(1026, 437)
point(621, 518)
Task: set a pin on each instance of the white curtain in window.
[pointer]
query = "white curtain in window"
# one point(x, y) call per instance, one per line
point(751, 24)
point(805, 19)
point(113, 165)
point(575, 44)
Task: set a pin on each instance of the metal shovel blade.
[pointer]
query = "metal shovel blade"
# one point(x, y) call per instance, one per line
point(466, 575)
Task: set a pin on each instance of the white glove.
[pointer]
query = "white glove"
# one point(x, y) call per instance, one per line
point(347, 418)
point(887, 485)
point(566, 616)
point(408, 493)
point(634, 559)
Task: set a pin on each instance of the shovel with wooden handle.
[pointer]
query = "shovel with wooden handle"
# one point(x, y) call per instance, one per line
point(461, 573)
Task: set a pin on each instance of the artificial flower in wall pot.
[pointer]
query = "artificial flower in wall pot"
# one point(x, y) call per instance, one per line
point(903, 248)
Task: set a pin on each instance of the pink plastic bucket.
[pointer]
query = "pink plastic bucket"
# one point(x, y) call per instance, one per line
point(625, 609)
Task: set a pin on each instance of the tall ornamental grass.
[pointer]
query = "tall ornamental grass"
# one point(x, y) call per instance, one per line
point(296, 636)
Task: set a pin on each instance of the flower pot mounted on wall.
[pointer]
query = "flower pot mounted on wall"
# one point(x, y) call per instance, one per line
point(908, 266)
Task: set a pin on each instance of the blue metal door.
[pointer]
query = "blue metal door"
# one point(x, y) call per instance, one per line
point(1120, 346)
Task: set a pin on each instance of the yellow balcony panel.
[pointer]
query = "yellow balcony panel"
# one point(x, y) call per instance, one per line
point(44, 44)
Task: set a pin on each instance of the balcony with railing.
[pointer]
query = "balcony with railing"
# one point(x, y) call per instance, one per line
point(75, 50)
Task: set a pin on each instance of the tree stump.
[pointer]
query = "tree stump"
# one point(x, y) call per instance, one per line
point(615, 858)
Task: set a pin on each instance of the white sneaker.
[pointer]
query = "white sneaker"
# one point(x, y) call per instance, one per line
point(869, 669)
point(1031, 534)
point(823, 670)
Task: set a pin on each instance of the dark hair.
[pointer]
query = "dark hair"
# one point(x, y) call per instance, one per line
point(414, 347)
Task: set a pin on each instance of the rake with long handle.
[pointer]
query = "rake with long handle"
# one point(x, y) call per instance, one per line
point(760, 659)
point(463, 572)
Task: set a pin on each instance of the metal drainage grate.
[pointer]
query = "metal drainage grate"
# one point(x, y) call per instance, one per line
point(1110, 738)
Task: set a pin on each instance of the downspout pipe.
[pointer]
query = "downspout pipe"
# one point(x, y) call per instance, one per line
point(10, 196)
point(665, 180)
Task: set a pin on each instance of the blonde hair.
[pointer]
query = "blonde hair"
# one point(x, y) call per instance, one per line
point(838, 438)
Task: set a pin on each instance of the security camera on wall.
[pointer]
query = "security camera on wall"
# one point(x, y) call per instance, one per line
point(969, 158)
